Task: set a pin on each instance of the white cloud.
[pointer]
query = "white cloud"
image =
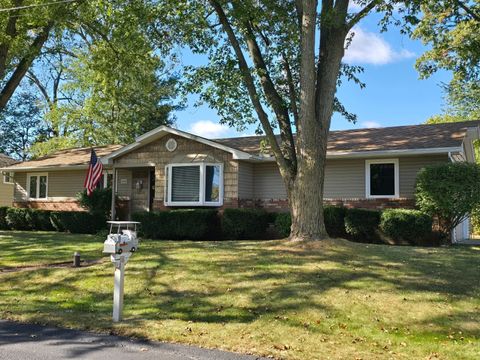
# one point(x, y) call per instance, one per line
point(371, 124)
point(209, 129)
point(370, 48)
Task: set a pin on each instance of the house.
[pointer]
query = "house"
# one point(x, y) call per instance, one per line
point(167, 168)
point(6, 182)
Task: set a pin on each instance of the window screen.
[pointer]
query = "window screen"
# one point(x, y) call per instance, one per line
point(382, 179)
point(186, 183)
point(212, 183)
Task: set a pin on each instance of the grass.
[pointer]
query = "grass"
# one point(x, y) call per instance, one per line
point(334, 300)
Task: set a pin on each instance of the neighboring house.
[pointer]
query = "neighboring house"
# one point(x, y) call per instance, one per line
point(168, 168)
point(6, 181)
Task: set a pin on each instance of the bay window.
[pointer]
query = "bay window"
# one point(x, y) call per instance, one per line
point(37, 186)
point(382, 178)
point(194, 184)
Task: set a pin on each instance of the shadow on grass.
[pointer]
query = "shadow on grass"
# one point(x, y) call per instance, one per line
point(240, 282)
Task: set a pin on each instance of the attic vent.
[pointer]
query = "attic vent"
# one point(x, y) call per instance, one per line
point(171, 145)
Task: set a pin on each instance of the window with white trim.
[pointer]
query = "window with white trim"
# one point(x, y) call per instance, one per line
point(382, 178)
point(37, 186)
point(194, 184)
point(8, 177)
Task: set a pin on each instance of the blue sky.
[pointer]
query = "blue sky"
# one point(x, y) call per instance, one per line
point(394, 94)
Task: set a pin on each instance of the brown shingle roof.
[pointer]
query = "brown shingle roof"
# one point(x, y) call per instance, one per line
point(6, 160)
point(68, 157)
point(389, 138)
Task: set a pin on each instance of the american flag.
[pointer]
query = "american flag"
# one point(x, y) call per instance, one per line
point(94, 173)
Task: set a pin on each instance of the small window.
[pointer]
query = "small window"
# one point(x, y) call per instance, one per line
point(37, 186)
point(8, 178)
point(106, 181)
point(194, 185)
point(382, 179)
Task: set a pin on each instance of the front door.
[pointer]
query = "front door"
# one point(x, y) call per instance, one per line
point(151, 190)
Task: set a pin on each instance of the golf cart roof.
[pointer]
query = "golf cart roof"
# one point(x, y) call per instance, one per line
point(123, 222)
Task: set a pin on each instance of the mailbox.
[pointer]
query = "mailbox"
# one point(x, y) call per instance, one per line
point(122, 238)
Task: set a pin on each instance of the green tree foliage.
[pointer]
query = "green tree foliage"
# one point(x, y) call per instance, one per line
point(20, 126)
point(103, 71)
point(448, 191)
point(452, 29)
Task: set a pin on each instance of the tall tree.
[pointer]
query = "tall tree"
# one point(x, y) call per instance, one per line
point(285, 59)
point(20, 126)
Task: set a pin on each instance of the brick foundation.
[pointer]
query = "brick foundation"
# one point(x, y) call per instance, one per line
point(67, 205)
point(278, 205)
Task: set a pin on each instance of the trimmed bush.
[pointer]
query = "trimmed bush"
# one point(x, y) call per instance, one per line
point(3, 218)
point(39, 220)
point(406, 226)
point(98, 203)
point(19, 219)
point(196, 224)
point(334, 217)
point(283, 223)
point(244, 224)
point(77, 222)
point(362, 225)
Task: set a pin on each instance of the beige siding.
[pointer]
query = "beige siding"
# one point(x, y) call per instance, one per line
point(245, 180)
point(20, 188)
point(344, 179)
point(6, 193)
point(124, 183)
point(140, 195)
point(410, 166)
point(65, 183)
point(268, 183)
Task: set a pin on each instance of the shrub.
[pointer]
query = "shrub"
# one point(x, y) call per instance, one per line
point(3, 218)
point(334, 217)
point(406, 226)
point(77, 222)
point(362, 225)
point(19, 219)
point(283, 223)
point(448, 191)
point(243, 224)
point(39, 220)
point(195, 224)
point(98, 203)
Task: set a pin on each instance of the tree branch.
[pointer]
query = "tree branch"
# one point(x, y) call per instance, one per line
point(250, 84)
point(10, 31)
point(24, 65)
point(32, 77)
point(469, 11)
point(291, 89)
point(273, 97)
point(362, 13)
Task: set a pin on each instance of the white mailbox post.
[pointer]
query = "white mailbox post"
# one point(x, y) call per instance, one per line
point(120, 244)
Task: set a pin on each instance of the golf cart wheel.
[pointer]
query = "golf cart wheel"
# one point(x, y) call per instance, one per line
point(119, 251)
point(133, 249)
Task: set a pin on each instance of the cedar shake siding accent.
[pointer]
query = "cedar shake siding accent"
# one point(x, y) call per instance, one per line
point(155, 156)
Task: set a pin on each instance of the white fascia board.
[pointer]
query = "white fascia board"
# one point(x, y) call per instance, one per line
point(49, 168)
point(154, 134)
point(377, 153)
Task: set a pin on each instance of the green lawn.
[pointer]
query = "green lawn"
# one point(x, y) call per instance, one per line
point(334, 300)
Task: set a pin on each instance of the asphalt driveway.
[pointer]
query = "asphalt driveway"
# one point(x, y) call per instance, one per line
point(28, 342)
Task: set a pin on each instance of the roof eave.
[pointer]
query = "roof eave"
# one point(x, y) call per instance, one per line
point(47, 168)
point(380, 153)
point(162, 130)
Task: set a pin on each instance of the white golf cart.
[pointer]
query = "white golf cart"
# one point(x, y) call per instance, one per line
point(122, 237)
